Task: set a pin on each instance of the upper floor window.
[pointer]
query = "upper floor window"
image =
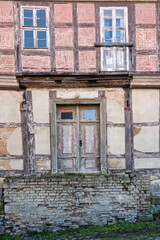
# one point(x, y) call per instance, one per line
point(114, 31)
point(35, 27)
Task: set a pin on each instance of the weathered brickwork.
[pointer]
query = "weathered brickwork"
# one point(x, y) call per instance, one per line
point(86, 13)
point(86, 37)
point(36, 63)
point(74, 28)
point(146, 39)
point(59, 201)
point(63, 13)
point(87, 61)
point(6, 11)
point(145, 13)
point(64, 61)
point(146, 63)
point(7, 38)
point(7, 64)
point(64, 37)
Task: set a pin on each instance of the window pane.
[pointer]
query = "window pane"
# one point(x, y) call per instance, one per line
point(121, 59)
point(41, 18)
point(107, 22)
point(120, 22)
point(108, 13)
point(29, 43)
point(89, 114)
point(28, 39)
point(120, 36)
point(28, 13)
point(120, 13)
point(41, 22)
point(108, 60)
point(28, 22)
point(108, 36)
point(66, 114)
point(42, 44)
point(41, 13)
point(41, 34)
point(28, 34)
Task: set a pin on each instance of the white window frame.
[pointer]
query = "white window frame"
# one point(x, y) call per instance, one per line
point(35, 28)
point(102, 29)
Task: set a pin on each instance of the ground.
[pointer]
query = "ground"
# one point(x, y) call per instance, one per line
point(120, 231)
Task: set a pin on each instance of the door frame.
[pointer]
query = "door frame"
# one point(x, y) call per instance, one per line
point(53, 126)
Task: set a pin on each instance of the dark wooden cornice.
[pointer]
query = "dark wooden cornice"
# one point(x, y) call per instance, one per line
point(119, 79)
point(58, 1)
point(75, 80)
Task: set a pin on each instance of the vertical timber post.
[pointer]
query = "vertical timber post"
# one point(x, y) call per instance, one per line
point(25, 135)
point(128, 131)
point(31, 137)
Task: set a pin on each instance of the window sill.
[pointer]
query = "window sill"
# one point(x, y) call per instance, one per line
point(113, 44)
point(36, 51)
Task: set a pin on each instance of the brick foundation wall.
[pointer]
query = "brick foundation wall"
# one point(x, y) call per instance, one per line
point(2, 224)
point(59, 201)
point(2, 217)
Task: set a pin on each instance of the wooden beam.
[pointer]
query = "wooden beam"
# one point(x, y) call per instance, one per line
point(128, 131)
point(31, 137)
point(102, 44)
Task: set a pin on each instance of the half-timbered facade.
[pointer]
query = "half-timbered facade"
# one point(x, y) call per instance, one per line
point(79, 87)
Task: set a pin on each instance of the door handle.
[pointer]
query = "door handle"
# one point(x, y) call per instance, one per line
point(80, 143)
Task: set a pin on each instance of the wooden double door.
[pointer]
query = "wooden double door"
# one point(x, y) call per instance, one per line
point(78, 140)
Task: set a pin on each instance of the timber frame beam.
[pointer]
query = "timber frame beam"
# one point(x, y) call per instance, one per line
point(118, 79)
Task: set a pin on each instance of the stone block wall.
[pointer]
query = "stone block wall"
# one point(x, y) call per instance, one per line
point(2, 218)
point(155, 198)
point(68, 200)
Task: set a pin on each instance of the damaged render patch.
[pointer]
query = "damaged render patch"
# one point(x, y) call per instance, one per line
point(118, 96)
point(136, 131)
point(14, 143)
point(135, 150)
point(5, 133)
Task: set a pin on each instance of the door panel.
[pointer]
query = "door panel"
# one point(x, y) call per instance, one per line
point(78, 138)
point(89, 135)
point(89, 138)
point(67, 138)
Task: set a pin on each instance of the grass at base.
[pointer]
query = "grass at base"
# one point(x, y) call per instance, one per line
point(125, 230)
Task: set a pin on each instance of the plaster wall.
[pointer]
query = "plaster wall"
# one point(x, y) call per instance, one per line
point(115, 103)
point(145, 116)
point(11, 153)
point(146, 127)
